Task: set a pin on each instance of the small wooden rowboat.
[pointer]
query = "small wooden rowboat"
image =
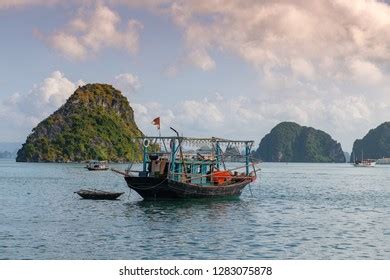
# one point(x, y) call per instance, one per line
point(97, 194)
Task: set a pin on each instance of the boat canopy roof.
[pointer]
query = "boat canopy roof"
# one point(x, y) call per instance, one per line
point(193, 141)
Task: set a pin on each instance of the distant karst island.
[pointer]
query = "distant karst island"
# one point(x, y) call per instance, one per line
point(6, 154)
point(374, 145)
point(8, 150)
point(290, 142)
point(96, 122)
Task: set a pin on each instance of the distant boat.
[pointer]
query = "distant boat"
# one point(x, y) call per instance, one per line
point(98, 195)
point(364, 162)
point(95, 165)
point(169, 173)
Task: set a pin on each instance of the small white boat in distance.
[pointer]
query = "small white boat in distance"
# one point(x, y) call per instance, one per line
point(95, 165)
point(365, 163)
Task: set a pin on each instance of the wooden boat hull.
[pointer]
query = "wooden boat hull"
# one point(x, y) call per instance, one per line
point(98, 195)
point(159, 188)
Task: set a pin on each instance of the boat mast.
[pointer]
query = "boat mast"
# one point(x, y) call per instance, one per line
point(144, 157)
point(180, 152)
point(218, 154)
point(247, 152)
point(173, 157)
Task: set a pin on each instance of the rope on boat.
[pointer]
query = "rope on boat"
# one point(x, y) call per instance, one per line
point(119, 171)
point(250, 189)
point(128, 197)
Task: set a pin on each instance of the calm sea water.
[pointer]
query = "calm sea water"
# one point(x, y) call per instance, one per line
point(295, 211)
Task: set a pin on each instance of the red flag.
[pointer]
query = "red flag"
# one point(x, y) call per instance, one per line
point(156, 121)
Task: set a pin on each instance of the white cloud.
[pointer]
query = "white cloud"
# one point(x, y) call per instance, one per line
point(273, 36)
point(145, 113)
point(22, 111)
point(94, 30)
point(41, 101)
point(127, 83)
point(273, 33)
point(201, 59)
point(365, 72)
point(302, 68)
point(198, 113)
point(69, 45)
point(4, 4)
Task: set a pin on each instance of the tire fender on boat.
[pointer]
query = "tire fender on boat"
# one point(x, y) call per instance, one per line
point(146, 143)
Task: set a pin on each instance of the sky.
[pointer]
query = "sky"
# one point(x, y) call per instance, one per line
point(221, 68)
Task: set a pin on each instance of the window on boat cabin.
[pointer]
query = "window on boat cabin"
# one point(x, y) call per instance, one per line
point(188, 168)
point(194, 168)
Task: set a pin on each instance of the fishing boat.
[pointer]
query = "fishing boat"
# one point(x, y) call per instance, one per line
point(95, 165)
point(169, 173)
point(364, 162)
point(98, 195)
